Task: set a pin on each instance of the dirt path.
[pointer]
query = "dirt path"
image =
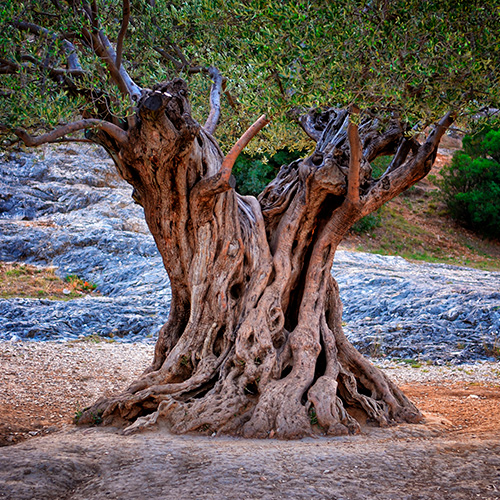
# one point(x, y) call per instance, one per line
point(403, 463)
point(456, 455)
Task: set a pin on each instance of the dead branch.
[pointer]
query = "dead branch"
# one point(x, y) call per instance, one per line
point(120, 75)
point(228, 162)
point(215, 91)
point(116, 132)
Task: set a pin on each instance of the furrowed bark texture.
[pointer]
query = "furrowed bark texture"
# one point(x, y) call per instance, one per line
point(254, 344)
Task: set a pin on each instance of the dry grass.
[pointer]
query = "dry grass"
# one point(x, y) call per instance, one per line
point(27, 281)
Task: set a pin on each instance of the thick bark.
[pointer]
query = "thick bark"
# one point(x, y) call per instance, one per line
point(254, 343)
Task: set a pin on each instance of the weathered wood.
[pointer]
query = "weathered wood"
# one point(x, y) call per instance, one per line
point(254, 343)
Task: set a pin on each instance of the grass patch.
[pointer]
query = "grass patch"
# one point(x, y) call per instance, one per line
point(396, 234)
point(26, 281)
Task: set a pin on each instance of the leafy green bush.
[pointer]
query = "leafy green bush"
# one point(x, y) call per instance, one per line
point(471, 183)
point(253, 173)
point(367, 223)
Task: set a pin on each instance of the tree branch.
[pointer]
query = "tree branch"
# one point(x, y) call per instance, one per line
point(228, 95)
point(178, 65)
point(397, 179)
point(228, 162)
point(69, 48)
point(116, 132)
point(355, 156)
point(122, 33)
point(53, 72)
point(121, 76)
point(215, 91)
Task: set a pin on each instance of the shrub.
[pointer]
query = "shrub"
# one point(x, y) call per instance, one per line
point(471, 183)
point(253, 173)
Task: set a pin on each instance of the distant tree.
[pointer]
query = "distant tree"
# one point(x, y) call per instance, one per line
point(254, 342)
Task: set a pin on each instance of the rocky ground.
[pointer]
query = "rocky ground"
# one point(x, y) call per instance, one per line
point(67, 208)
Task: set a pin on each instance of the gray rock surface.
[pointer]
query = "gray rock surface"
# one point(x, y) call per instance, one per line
point(67, 207)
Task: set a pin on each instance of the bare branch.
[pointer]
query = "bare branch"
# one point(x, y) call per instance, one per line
point(121, 76)
point(116, 132)
point(404, 148)
point(8, 67)
point(178, 65)
point(123, 32)
point(228, 162)
point(215, 91)
point(54, 72)
point(69, 48)
point(355, 156)
point(228, 95)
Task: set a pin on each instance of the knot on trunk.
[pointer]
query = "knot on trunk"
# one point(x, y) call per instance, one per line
point(169, 99)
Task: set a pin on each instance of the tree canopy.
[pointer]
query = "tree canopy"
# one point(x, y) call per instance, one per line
point(420, 59)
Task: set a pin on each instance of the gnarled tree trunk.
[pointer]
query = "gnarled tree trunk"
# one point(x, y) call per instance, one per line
point(254, 343)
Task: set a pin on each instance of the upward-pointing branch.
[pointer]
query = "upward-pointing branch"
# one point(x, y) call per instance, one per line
point(227, 164)
point(123, 32)
point(215, 91)
point(354, 159)
point(209, 187)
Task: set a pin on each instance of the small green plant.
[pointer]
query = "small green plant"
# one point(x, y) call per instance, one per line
point(492, 349)
point(411, 362)
point(78, 414)
point(368, 223)
point(97, 417)
point(313, 418)
point(80, 285)
point(185, 360)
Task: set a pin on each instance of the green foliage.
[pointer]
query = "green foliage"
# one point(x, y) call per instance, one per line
point(313, 418)
point(421, 58)
point(368, 223)
point(253, 173)
point(471, 183)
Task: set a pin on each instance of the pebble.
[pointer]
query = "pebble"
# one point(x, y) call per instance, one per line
point(66, 207)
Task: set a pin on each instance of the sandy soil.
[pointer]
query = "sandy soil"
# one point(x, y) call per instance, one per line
point(456, 454)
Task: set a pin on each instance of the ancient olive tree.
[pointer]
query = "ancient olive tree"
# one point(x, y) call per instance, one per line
point(254, 344)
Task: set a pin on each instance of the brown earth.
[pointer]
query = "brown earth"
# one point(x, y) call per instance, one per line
point(455, 454)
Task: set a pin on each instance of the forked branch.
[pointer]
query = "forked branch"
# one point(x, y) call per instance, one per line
point(406, 172)
point(115, 132)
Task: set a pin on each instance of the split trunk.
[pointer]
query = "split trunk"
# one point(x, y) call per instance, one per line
point(254, 343)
